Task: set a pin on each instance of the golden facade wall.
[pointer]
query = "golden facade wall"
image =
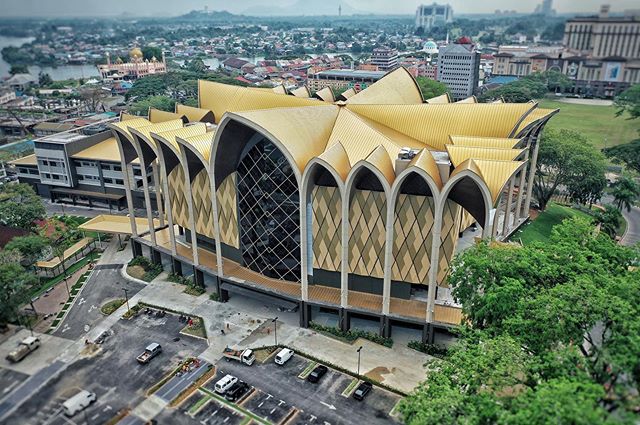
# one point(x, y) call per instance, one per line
point(413, 227)
point(367, 216)
point(202, 204)
point(327, 223)
point(448, 237)
point(228, 211)
point(177, 198)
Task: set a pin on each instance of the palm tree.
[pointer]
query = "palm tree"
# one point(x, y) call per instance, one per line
point(625, 192)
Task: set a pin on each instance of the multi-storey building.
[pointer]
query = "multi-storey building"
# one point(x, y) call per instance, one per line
point(459, 68)
point(429, 16)
point(341, 210)
point(384, 58)
point(136, 67)
point(343, 79)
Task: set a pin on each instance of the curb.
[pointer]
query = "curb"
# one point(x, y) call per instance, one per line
point(52, 329)
point(125, 275)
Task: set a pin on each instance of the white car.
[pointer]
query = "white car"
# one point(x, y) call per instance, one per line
point(283, 356)
point(225, 383)
point(78, 402)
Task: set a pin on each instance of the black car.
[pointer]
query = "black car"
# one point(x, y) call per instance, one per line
point(237, 391)
point(317, 373)
point(361, 392)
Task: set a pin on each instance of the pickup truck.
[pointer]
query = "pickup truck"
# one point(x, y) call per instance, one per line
point(150, 352)
point(244, 356)
point(25, 347)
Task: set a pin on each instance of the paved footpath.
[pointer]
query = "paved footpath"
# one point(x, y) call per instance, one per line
point(632, 235)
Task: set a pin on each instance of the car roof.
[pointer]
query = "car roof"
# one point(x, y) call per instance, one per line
point(153, 346)
point(29, 340)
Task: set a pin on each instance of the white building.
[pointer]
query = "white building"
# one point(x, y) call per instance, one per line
point(459, 68)
point(433, 15)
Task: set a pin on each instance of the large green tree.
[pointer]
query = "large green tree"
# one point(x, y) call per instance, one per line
point(566, 161)
point(163, 103)
point(629, 101)
point(20, 206)
point(14, 281)
point(627, 154)
point(30, 247)
point(431, 88)
point(625, 192)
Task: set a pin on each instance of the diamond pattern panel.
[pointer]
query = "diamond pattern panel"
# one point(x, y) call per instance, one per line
point(367, 214)
point(448, 237)
point(177, 197)
point(413, 226)
point(228, 211)
point(327, 224)
point(201, 190)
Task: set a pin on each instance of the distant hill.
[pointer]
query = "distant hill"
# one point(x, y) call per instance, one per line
point(304, 7)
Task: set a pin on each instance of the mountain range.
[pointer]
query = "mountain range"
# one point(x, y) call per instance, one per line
point(303, 7)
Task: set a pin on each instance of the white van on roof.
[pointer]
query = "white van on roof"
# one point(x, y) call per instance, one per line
point(78, 402)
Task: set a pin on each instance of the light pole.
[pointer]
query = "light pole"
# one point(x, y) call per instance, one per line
point(359, 349)
point(275, 329)
point(126, 297)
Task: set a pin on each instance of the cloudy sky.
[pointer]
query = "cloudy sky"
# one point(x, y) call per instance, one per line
point(172, 7)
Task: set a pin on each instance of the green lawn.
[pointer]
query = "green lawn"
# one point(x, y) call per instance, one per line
point(540, 228)
point(596, 122)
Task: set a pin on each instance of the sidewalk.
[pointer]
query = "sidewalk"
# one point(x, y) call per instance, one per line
point(400, 367)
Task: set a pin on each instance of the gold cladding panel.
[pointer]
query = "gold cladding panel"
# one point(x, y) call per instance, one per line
point(413, 234)
point(179, 207)
point(327, 225)
point(448, 237)
point(367, 215)
point(203, 208)
point(228, 211)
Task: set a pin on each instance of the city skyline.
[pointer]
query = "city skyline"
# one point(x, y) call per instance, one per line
point(86, 8)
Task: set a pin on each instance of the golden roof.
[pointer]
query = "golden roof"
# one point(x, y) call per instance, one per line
point(201, 144)
point(145, 132)
point(459, 154)
point(425, 161)
point(124, 116)
point(279, 89)
point(107, 150)
point(396, 87)
point(302, 91)
point(169, 136)
point(31, 160)
point(348, 93)
point(336, 157)
point(486, 142)
point(471, 99)
point(157, 116)
point(124, 126)
point(325, 94)
point(194, 114)
point(535, 116)
point(495, 174)
point(379, 159)
point(443, 98)
point(118, 224)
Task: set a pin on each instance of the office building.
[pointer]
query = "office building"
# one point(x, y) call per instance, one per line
point(459, 67)
point(340, 210)
point(384, 58)
point(545, 8)
point(343, 79)
point(429, 16)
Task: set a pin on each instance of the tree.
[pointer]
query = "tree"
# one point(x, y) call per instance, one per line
point(162, 103)
point(625, 192)
point(629, 101)
point(21, 206)
point(150, 52)
point(520, 91)
point(30, 247)
point(92, 98)
point(567, 160)
point(18, 69)
point(627, 154)
point(609, 220)
point(14, 281)
point(197, 65)
point(431, 88)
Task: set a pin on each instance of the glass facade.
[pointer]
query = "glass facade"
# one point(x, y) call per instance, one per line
point(269, 213)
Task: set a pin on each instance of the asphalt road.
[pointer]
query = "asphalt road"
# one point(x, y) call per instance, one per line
point(9, 379)
point(632, 236)
point(113, 373)
point(105, 284)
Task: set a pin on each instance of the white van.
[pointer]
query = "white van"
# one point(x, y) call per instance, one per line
point(78, 402)
point(225, 383)
point(283, 356)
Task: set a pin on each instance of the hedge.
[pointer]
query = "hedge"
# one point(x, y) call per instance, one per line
point(435, 350)
point(352, 334)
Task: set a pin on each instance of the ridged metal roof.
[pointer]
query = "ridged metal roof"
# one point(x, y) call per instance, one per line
point(486, 142)
point(192, 114)
point(397, 87)
point(459, 154)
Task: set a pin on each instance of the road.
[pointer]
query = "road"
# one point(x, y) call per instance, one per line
point(632, 236)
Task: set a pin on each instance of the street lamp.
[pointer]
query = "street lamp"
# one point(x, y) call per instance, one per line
point(126, 297)
point(359, 349)
point(275, 329)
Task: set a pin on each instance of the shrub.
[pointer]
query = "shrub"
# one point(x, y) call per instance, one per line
point(214, 296)
point(112, 306)
point(435, 350)
point(352, 334)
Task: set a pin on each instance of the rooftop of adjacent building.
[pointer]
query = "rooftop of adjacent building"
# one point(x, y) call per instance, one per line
point(352, 73)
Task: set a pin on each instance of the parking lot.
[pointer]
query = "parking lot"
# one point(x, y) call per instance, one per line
point(112, 373)
point(279, 396)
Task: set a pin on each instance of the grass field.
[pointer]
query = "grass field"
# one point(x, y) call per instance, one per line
point(598, 123)
point(540, 229)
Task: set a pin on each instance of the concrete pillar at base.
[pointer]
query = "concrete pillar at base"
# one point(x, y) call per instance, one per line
point(156, 258)
point(385, 327)
point(305, 314)
point(344, 321)
point(224, 295)
point(428, 334)
point(136, 248)
point(176, 266)
point(218, 283)
point(198, 277)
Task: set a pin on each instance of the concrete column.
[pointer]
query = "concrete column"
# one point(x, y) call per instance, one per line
point(520, 199)
point(176, 266)
point(428, 334)
point(192, 221)
point(388, 256)
point(305, 314)
point(344, 319)
point(344, 266)
point(159, 192)
point(127, 176)
point(385, 327)
point(147, 201)
point(155, 257)
point(304, 257)
point(216, 224)
point(167, 202)
point(506, 225)
point(435, 256)
point(198, 277)
point(532, 172)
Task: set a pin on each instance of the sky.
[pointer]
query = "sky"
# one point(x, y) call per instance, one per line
point(69, 8)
